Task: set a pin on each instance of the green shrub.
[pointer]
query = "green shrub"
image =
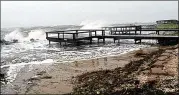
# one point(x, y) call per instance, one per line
point(167, 26)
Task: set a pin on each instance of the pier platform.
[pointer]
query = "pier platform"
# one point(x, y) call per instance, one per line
point(78, 36)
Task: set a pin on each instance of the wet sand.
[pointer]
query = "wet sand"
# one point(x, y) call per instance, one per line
point(150, 73)
point(57, 78)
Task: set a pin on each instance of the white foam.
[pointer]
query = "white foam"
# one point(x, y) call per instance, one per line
point(15, 68)
point(14, 35)
point(22, 36)
point(36, 34)
point(12, 72)
point(41, 51)
point(107, 54)
point(89, 24)
point(34, 62)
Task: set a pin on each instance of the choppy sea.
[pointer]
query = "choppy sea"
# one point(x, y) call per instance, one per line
point(21, 50)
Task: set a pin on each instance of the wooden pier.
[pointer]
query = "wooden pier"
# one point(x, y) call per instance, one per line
point(75, 36)
point(78, 36)
point(133, 30)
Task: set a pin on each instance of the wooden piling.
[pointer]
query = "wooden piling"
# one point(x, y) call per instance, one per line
point(46, 34)
point(74, 39)
point(140, 41)
point(157, 32)
point(135, 41)
point(118, 40)
point(103, 36)
point(63, 35)
point(91, 40)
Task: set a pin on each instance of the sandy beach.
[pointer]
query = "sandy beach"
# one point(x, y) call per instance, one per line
point(58, 78)
point(89, 48)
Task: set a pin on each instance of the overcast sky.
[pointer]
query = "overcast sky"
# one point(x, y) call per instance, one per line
point(47, 13)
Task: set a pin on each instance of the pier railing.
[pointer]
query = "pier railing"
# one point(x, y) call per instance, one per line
point(116, 33)
point(133, 30)
point(75, 35)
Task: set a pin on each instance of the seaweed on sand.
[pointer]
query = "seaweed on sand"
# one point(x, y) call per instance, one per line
point(120, 81)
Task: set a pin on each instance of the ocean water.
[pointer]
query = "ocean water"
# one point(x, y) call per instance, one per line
point(26, 51)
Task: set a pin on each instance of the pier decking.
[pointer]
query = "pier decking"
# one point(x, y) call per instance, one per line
point(75, 36)
point(133, 30)
point(78, 36)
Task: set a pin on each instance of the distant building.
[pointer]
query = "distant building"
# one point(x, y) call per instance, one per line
point(167, 21)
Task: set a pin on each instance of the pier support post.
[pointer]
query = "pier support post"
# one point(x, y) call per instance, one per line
point(46, 34)
point(58, 35)
point(74, 39)
point(103, 40)
point(103, 36)
point(63, 35)
point(140, 41)
point(157, 32)
point(49, 42)
point(65, 43)
point(75, 43)
point(118, 41)
point(90, 40)
point(114, 40)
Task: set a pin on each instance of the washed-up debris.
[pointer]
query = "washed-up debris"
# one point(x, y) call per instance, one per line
point(39, 76)
point(34, 78)
point(122, 81)
point(41, 73)
point(46, 77)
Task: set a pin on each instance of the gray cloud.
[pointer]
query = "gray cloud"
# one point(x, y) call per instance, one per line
point(40, 13)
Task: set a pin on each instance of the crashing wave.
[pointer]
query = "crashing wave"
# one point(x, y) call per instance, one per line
point(19, 35)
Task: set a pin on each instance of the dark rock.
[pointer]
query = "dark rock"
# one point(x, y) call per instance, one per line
point(2, 76)
point(4, 42)
point(1, 41)
point(32, 40)
point(15, 41)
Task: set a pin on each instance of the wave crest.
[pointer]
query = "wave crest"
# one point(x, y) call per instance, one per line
point(19, 35)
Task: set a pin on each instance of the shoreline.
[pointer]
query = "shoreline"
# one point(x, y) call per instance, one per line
point(57, 78)
point(13, 67)
point(153, 73)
